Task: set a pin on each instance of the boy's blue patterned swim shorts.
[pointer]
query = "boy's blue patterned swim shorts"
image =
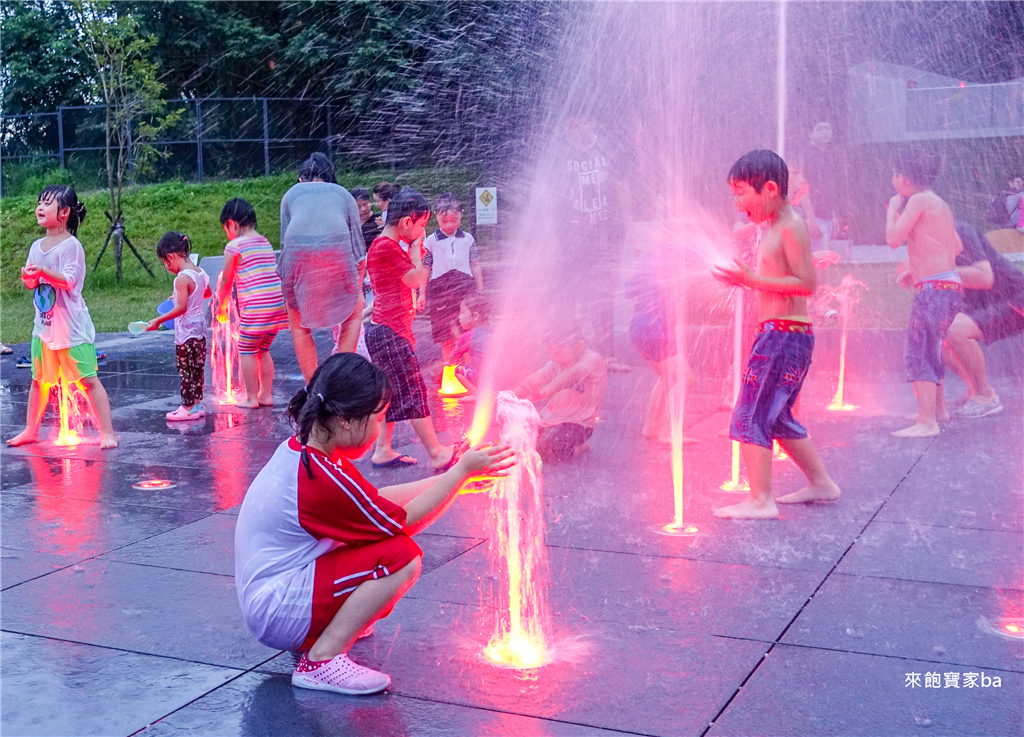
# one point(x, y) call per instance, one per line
point(775, 371)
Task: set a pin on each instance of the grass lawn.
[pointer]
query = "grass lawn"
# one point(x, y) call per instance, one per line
point(150, 211)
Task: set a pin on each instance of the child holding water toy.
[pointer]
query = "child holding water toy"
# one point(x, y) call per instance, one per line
point(63, 336)
point(191, 287)
point(320, 554)
point(250, 266)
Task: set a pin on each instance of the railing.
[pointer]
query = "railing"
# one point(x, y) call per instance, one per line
point(204, 123)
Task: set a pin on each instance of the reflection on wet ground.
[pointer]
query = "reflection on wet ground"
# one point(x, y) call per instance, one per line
point(119, 608)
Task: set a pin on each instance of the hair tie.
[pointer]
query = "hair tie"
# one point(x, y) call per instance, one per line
point(321, 396)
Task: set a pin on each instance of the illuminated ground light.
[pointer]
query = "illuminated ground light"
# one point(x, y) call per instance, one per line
point(150, 484)
point(673, 530)
point(450, 384)
point(1008, 627)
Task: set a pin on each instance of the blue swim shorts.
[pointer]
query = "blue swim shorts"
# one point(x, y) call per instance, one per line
point(775, 371)
point(935, 305)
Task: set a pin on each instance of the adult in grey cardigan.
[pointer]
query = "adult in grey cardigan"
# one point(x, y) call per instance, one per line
point(323, 259)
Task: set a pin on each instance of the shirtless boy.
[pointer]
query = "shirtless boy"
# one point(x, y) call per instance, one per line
point(918, 217)
point(781, 353)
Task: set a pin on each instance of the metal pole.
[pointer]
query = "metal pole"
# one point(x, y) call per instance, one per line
point(266, 141)
point(199, 140)
point(330, 131)
point(60, 135)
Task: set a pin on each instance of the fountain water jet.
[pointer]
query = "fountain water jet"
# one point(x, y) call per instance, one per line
point(846, 296)
point(70, 400)
point(224, 361)
point(518, 552)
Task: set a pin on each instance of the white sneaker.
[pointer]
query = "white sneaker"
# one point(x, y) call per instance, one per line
point(974, 410)
point(339, 675)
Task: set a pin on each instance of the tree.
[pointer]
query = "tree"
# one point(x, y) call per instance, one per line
point(126, 81)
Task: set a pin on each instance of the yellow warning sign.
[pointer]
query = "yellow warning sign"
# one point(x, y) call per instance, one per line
point(486, 205)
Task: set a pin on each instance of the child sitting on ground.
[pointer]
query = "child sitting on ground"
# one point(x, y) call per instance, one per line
point(781, 354)
point(249, 263)
point(454, 263)
point(320, 554)
point(468, 354)
point(191, 287)
point(921, 219)
point(572, 384)
point(63, 336)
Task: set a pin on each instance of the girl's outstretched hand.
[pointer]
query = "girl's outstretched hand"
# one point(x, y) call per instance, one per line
point(487, 460)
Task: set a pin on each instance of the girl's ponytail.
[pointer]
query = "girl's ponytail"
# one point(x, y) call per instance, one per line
point(346, 386)
point(66, 198)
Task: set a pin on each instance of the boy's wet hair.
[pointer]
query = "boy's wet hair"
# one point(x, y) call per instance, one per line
point(360, 193)
point(407, 203)
point(387, 190)
point(239, 210)
point(759, 167)
point(563, 336)
point(479, 304)
point(347, 386)
point(66, 197)
point(448, 202)
point(173, 242)
point(919, 166)
point(317, 166)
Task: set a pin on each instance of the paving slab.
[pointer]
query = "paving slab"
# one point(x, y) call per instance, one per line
point(804, 691)
point(911, 619)
point(79, 528)
point(968, 556)
point(157, 611)
point(606, 675)
point(86, 690)
point(695, 597)
point(18, 566)
point(263, 704)
point(208, 489)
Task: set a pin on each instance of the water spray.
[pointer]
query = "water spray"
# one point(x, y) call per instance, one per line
point(735, 482)
point(224, 359)
point(846, 297)
point(518, 553)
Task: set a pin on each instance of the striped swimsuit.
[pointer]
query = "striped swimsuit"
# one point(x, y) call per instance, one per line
point(258, 286)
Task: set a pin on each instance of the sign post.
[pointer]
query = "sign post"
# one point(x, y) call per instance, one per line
point(486, 205)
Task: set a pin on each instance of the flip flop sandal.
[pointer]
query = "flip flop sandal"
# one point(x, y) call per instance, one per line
point(396, 462)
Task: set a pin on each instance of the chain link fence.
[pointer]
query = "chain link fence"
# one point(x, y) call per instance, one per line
point(214, 137)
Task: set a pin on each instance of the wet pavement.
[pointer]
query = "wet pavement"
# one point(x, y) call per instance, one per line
point(119, 613)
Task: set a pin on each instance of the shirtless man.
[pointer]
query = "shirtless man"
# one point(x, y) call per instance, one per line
point(919, 217)
point(781, 353)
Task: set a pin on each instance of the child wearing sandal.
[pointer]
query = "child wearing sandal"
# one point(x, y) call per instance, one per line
point(320, 554)
point(63, 336)
point(191, 287)
point(250, 266)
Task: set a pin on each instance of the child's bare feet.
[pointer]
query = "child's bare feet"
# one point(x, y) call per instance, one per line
point(811, 494)
point(749, 509)
point(443, 457)
point(267, 401)
point(248, 403)
point(23, 438)
point(107, 441)
point(918, 430)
